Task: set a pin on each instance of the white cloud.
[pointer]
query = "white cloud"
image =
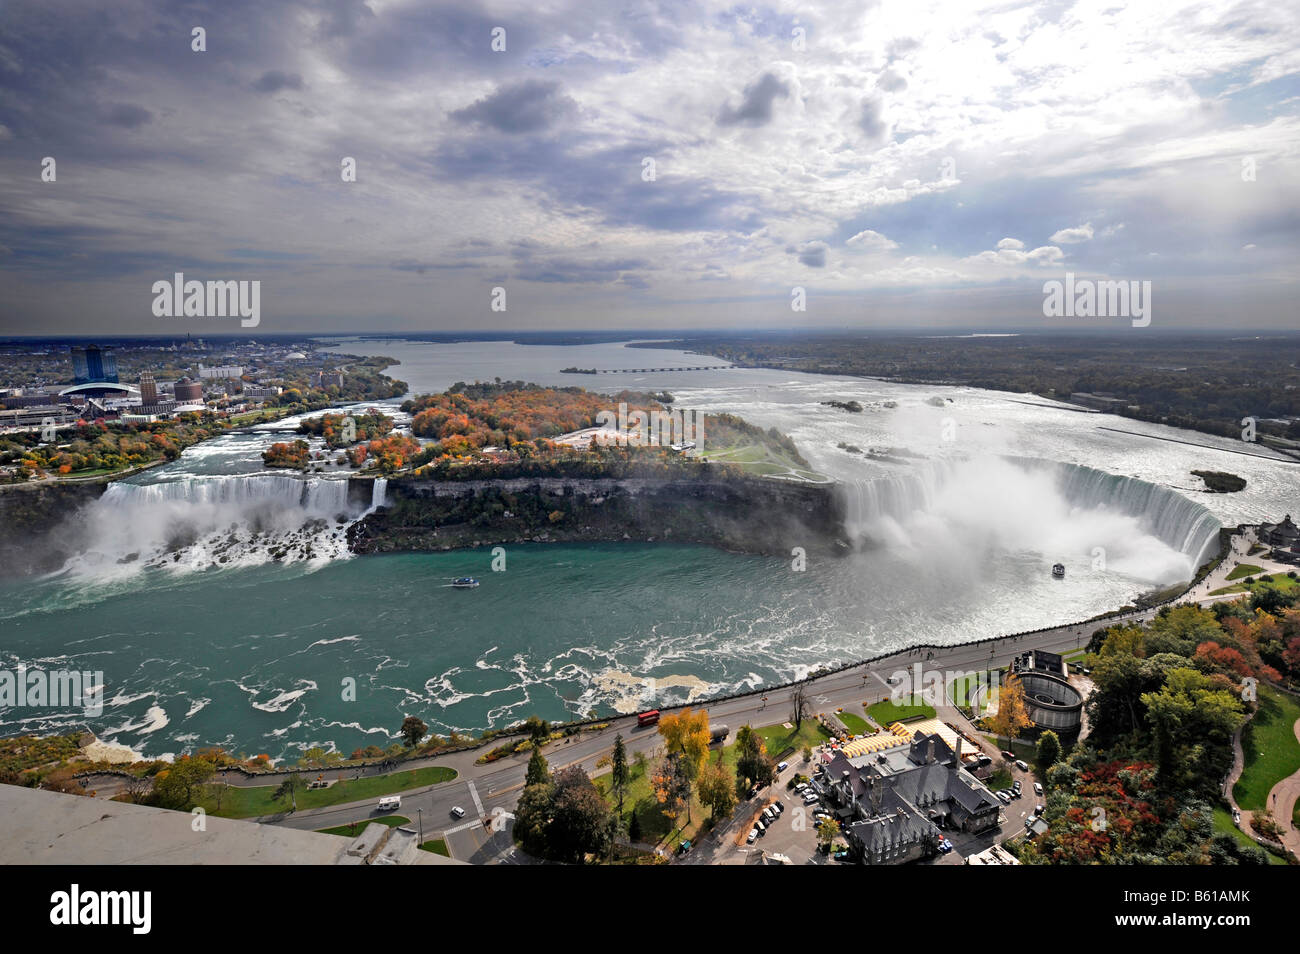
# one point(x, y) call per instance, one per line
point(868, 240)
point(1011, 243)
point(1009, 256)
point(1072, 236)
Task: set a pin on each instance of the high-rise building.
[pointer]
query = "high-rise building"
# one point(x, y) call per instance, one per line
point(148, 389)
point(94, 364)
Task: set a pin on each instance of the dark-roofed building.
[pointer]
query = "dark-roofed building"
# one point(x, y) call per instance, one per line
point(895, 802)
point(1284, 538)
point(1038, 660)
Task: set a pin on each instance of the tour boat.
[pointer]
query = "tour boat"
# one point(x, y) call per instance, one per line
point(465, 582)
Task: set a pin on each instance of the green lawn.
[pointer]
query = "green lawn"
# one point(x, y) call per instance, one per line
point(1245, 569)
point(887, 713)
point(256, 801)
point(961, 688)
point(1223, 824)
point(1270, 748)
point(855, 724)
point(437, 846)
point(1277, 581)
point(357, 827)
point(999, 780)
point(778, 738)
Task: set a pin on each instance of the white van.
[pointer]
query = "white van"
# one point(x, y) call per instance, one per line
point(390, 803)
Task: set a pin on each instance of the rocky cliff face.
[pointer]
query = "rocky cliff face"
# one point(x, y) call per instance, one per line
point(35, 533)
point(749, 515)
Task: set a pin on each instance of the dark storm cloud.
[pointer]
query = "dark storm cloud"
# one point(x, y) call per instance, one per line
point(813, 255)
point(520, 107)
point(272, 81)
point(128, 115)
point(568, 270)
point(755, 108)
point(605, 181)
point(344, 17)
point(872, 119)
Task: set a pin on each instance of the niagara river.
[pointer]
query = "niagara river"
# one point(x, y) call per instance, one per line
point(223, 606)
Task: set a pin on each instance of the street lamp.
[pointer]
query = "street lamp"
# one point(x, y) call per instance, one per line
point(420, 813)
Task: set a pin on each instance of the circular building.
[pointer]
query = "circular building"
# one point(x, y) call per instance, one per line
point(1051, 702)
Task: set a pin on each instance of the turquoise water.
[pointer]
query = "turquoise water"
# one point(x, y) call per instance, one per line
point(216, 641)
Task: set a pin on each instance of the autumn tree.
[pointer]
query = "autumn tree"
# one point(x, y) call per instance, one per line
point(1011, 718)
point(827, 831)
point(687, 733)
point(671, 783)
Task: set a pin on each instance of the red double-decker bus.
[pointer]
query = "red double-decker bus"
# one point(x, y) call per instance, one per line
point(648, 718)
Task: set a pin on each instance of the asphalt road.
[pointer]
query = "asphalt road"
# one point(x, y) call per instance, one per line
point(488, 793)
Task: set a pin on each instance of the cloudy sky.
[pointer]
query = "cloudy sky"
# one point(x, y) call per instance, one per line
point(647, 164)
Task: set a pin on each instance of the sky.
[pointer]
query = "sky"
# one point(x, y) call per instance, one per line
point(674, 165)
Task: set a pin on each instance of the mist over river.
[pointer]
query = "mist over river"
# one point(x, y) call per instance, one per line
point(223, 607)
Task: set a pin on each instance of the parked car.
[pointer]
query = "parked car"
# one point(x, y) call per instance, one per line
point(753, 835)
point(1039, 809)
point(1038, 788)
point(1015, 786)
point(1009, 756)
point(1004, 797)
point(779, 806)
point(782, 766)
point(801, 786)
point(1020, 764)
point(458, 812)
point(811, 799)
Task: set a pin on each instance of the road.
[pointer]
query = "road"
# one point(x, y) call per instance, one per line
point(488, 793)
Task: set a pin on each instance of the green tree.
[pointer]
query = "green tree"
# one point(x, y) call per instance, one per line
point(413, 730)
point(538, 769)
point(532, 818)
point(179, 785)
point(580, 818)
point(1049, 749)
point(289, 789)
point(619, 776)
point(716, 786)
point(753, 767)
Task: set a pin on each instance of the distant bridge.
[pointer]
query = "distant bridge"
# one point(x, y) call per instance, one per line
point(697, 367)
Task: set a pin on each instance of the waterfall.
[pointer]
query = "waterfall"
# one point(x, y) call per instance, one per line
point(1059, 510)
point(200, 522)
point(379, 493)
